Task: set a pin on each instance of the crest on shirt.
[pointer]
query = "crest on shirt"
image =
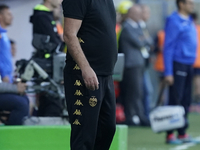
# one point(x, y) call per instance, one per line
point(93, 101)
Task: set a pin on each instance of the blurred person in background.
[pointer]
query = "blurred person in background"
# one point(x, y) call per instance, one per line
point(13, 52)
point(58, 16)
point(179, 55)
point(148, 88)
point(158, 50)
point(122, 14)
point(159, 63)
point(44, 23)
point(197, 62)
point(13, 48)
point(6, 68)
point(131, 43)
point(13, 103)
point(122, 11)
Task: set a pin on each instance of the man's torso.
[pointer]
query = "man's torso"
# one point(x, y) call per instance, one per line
point(133, 56)
point(97, 36)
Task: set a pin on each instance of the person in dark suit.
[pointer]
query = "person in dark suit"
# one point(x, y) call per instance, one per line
point(132, 43)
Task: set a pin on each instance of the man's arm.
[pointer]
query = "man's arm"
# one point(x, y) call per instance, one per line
point(4, 76)
point(71, 28)
point(11, 88)
point(6, 79)
point(8, 88)
point(171, 35)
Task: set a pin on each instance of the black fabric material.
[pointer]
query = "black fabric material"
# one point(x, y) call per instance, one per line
point(181, 90)
point(196, 71)
point(91, 113)
point(43, 24)
point(17, 105)
point(131, 94)
point(97, 32)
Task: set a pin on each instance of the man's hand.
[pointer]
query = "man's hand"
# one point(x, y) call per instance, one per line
point(21, 87)
point(169, 80)
point(6, 79)
point(90, 78)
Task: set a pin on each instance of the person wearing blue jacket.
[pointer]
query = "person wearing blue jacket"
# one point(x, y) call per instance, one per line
point(179, 55)
point(6, 68)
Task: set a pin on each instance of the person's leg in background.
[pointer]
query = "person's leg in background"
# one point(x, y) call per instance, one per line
point(186, 101)
point(165, 95)
point(132, 90)
point(126, 96)
point(176, 93)
point(148, 91)
point(18, 106)
point(197, 84)
point(138, 95)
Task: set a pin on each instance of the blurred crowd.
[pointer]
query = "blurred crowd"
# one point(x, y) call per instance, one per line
point(172, 53)
point(15, 103)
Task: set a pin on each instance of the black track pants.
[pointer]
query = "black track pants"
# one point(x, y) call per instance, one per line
point(91, 113)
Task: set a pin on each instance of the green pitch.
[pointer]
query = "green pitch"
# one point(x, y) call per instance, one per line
point(144, 138)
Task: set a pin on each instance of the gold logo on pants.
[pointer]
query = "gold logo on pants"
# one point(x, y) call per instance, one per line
point(78, 93)
point(76, 67)
point(76, 122)
point(78, 83)
point(80, 40)
point(78, 103)
point(77, 112)
point(93, 101)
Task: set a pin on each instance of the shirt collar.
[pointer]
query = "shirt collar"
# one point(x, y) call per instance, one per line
point(132, 23)
point(183, 16)
point(142, 24)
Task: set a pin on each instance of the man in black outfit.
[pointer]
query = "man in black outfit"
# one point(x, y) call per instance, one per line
point(89, 32)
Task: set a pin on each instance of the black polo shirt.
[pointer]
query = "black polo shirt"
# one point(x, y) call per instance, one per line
point(97, 33)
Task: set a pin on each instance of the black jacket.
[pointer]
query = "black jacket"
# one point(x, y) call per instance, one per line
point(44, 23)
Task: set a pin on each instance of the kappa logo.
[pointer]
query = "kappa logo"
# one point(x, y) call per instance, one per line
point(76, 67)
point(78, 93)
point(77, 112)
point(78, 103)
point(93, 101)
point(80, 40)
point(76, 122)
point(78, 83)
